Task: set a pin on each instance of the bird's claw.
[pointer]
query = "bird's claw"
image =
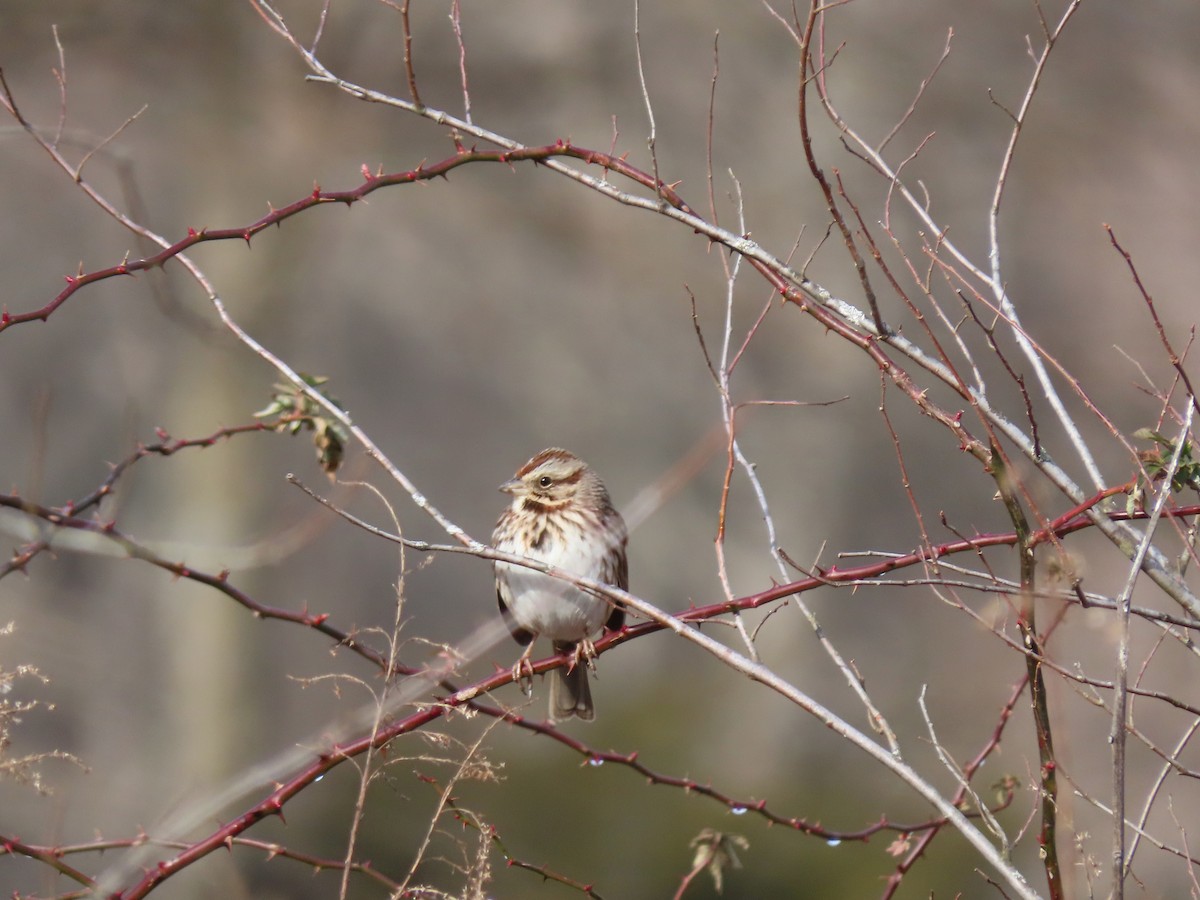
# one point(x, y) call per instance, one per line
point(585, 651)
point(522, 674)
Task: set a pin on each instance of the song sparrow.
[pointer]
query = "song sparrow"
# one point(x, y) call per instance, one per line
point(561, 515)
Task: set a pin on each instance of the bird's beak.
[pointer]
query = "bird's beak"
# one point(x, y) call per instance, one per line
point(511, 486)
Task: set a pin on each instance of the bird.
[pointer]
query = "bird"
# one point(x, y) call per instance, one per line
point(560, 515)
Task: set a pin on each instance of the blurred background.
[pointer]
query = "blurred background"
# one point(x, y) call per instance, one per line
point(468, 323)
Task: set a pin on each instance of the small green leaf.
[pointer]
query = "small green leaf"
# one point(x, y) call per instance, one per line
point(295, 410)
point(1156, 461)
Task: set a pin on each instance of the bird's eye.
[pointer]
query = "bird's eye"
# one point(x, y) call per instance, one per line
point(545, 481)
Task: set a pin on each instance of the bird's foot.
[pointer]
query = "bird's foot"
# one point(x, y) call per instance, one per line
point(585, 652)
point(522, 672)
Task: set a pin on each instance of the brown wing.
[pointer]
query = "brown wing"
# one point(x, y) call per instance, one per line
point(616, 619)
point(618, 578)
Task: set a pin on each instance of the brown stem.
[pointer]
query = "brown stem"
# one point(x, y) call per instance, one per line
point(1026, 554)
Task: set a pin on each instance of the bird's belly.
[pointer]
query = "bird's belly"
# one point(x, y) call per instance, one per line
point(553, 608)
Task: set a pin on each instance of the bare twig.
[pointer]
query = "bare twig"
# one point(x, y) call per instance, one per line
point(456, 24)
point(652, 137)
point(409, 71)
point(1121, 698)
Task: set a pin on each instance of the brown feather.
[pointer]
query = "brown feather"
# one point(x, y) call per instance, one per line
point(561, 514)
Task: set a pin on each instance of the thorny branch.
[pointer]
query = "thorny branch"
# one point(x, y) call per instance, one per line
point(866, 332)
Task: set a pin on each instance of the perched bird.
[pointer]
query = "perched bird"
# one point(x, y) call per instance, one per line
point(560, 515)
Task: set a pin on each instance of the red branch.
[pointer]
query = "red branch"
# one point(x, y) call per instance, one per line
point(1071, 521)
point(371, 182)
point(69, 516)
